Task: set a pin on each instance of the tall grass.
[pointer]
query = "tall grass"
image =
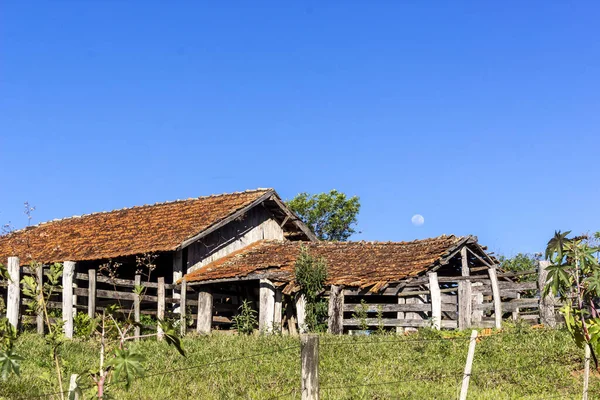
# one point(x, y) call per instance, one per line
point(525, 363)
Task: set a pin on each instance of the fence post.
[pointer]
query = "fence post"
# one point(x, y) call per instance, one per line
point(182, 308)
point(266, 306)
point(517, 312)
point(13, 298)
point(205, 306)
point(160, 307)
point(335, 323)
point(301, 313)
point(436, 300)
point(468, 366)
point(496, 296)
point(278, 309)
point(586, 371)
point(39, 318)
point(465, 301)
point(73, 394)
point(92, 293)
point(309, 352)
point(67, 297)
point(546, 305)
point(137, 305)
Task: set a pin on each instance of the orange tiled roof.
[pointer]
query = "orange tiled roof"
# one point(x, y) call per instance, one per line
point(136, 230)
point(358, 264)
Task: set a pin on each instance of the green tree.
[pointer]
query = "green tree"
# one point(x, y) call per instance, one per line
point(519, 263)
point(331, 216)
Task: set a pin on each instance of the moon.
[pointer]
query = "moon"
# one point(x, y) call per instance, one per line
point(417, 220)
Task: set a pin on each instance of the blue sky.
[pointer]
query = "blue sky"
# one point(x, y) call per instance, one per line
point(481, 117)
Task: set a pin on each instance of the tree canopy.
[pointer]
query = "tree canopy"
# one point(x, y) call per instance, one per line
point(331, 216)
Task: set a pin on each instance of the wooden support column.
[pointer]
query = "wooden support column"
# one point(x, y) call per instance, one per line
point(39, 318)
point(517, 312)
point(277, 315)
point(91, 293)
point(335, 323)
point(160, 307)
point(177, 274)
point(137, 305)
point(301, 313)
point(309, 353)
point(477, 301)
point(266, 308)
point(67, 297)
point(465, 307)
point(496, 296)
point(546, 304)
point(413, 314)
point(205, 309)
point(182, 308)
point(436, 301)
point(400, 314)
point(13, 298)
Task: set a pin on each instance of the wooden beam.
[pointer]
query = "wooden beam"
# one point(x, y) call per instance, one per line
point(277, 314)
point(464, 293)
point(160, 307)
point(13, 298)
point(137, 302)
point(301, 313)
point(497, 299)
point(92, 274)
point(546, 303)
point(294, 218)
point(309, 354)
point(67, 297)
point(335, 324)
point(205, 310)
point(182, 309)
point(436, 301)
point(266, 309)
point(39, 318)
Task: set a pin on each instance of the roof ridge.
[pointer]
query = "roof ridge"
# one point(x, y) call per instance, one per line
point(136, 207)
point(377, 242)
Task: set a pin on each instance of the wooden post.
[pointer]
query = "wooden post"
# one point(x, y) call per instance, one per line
point(301, 313)
point(497, 299)
point(182, 308)
point(309, 352)
point(468, 366)
point(39, 318)
point(137, 306)
point(67, 297)
point(546, 305)
point(436, 301)
point(516, 313)
point(465, 307)
point(400, 314)
point(477, 301)
point(277, 316)
point(205, 308)
point(335, 323)
point(92, 293)
point(177, 274)
point(586, 371)
point(73, 394)
point(160, 307)
point(13, 298)
point(266, 308)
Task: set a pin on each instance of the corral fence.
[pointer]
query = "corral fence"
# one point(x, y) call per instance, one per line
point(440, 302)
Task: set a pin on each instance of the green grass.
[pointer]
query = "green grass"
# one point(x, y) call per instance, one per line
point(519, 363)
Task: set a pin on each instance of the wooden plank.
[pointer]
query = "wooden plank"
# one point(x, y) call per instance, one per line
point(410, 307)
point(301, 314)
point(399, 314)
point(182, 308)
point(67, 297)
point(205, 310)
point(309, 354)
point(468, 366)
point(497, 299)
point(39, 318)
point(464, 294)
point(436, 301)
point(509, 306)
point(137, 302)
point(13, 298)
point(266, 308)
point(160, 307)
point(277, 314)
point(336, 310)
point(546, 303)
point(91, 292)
point(391, 322)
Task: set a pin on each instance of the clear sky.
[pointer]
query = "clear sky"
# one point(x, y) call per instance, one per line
point(484, 118)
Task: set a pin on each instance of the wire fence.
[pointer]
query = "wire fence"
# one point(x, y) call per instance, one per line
point(459, 377)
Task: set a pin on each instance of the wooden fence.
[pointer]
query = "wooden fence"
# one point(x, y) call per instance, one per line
point(427, 301)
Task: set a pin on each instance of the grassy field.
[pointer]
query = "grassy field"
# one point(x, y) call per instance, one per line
point(517, 363)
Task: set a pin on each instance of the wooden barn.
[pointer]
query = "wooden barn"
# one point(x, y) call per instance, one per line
point(200, 258)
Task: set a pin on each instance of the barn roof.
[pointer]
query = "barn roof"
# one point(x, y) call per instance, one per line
point(128, 231)
point(357, 264)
